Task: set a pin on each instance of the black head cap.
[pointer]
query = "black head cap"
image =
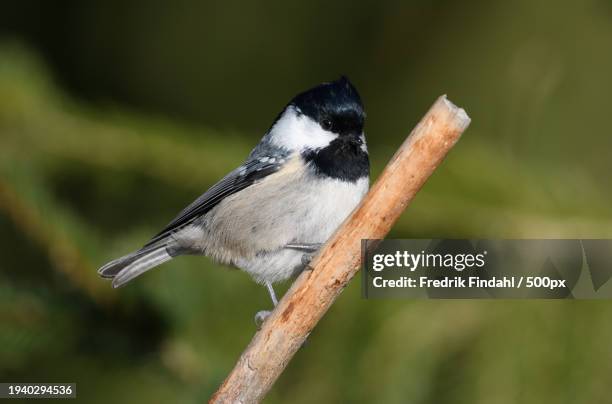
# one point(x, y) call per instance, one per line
point(336, 106)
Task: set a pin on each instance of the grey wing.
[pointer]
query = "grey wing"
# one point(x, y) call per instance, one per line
point(237, 180)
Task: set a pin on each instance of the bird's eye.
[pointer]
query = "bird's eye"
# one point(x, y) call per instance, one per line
point(326, 124)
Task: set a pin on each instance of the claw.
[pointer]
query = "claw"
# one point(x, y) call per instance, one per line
point(306, 259)
point(260, 317)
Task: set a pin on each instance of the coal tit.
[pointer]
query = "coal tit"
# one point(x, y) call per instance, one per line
point(307, 174)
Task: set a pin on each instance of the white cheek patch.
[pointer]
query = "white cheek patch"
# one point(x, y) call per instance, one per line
point(295, 131)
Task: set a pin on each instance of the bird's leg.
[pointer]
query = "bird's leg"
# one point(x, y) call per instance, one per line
point(272, 294)
point(306, 247)
point(262, 315)
point(310, 250)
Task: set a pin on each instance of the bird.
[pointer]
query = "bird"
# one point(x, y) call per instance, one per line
point(270, 216)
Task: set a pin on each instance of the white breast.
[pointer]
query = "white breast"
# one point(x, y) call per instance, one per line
point(329, 203)
point(251, 228)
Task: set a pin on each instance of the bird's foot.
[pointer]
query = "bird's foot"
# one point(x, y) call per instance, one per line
point(309, 249)
point(260, 317)
point(306, 259)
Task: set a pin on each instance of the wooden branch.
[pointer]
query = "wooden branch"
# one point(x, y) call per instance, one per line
point(284, 332)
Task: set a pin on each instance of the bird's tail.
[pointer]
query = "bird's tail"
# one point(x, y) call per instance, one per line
point(128, 267)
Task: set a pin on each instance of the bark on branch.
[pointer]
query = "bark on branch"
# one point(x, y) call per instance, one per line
point(284, 332)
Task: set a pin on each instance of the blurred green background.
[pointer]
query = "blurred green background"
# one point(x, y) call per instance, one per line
point(115, 115)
